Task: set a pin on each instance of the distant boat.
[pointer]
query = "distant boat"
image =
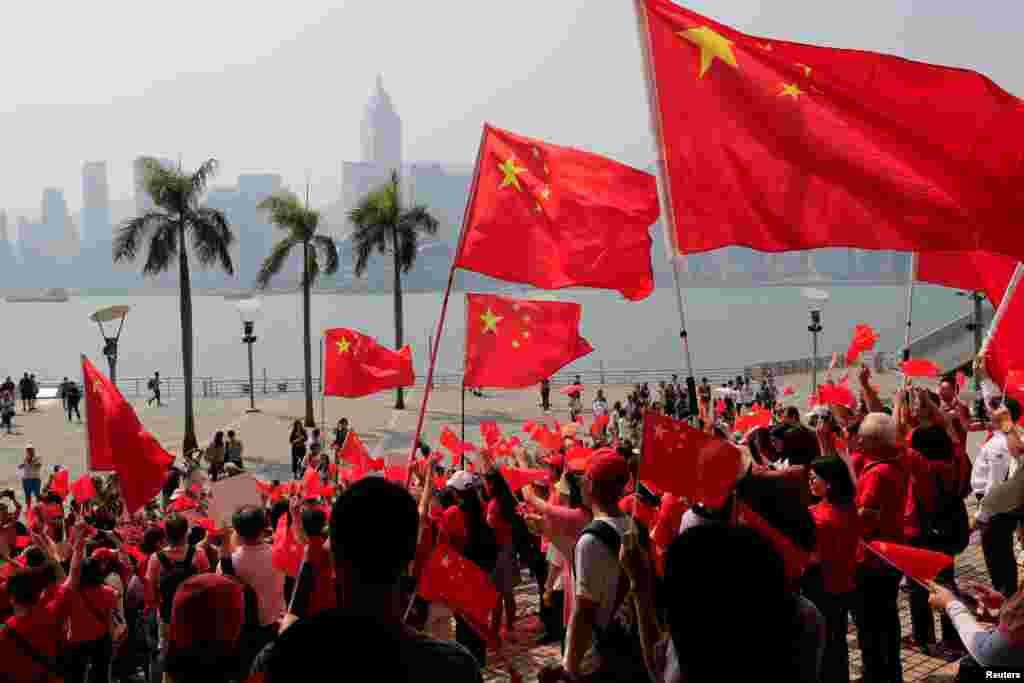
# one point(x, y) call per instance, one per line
point(238, 296)
point(56, 295)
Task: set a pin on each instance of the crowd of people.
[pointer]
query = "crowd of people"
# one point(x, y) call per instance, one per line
point(636, 584)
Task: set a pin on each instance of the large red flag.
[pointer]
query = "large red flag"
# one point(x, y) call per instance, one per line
point(691, 464)
point(356, 365)
point(1002, 348)
point(515, 343)
point(116, 436)
point(83, 488)
point(451, 579)
point(354, 452)
point(780, 146)
point(555, 217)
point(980, 271)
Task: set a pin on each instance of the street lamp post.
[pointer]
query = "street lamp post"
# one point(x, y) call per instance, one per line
point(816, 299)
point(249, 310)
point(975, 326)
point(107, 315)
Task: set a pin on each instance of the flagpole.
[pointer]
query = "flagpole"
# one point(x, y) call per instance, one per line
point(664, 196)
point(88, 450)
point(323, 423)
point(444, 308)
point(997, 318)
point(463, 458)
point(912, 277)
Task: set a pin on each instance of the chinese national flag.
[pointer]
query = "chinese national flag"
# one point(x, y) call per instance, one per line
point(83, 488)
point(693, 465)
point(356, 365)
point(453, 580)
point(456, 446)
point(515, 343)
point(980, 271)
point(921, 565)
point(286, 552)
point(354, 452)
point(555, 217)
point(780, 146)
point(118, 441)
point(61, 484)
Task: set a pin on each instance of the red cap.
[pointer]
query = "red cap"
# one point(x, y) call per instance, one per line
point(607, 466)
point(104, 554)
point(207, 607)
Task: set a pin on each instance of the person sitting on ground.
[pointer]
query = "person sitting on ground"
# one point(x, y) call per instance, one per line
point(233, 450)
point(366, 628)
point(215, 455)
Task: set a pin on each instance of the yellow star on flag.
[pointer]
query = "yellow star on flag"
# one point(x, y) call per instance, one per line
point(491, 321)
point(97, 386)
point(344, 345)
point(712, 45)
point(791, 90)
point(511, 172)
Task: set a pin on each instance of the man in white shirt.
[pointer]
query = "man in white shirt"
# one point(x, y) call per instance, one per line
point(252, 564)
point(992, 467)
point(597, 570)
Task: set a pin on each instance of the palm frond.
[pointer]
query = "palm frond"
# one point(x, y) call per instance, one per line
point(163, 249)
point(169, 188)
point(313, 266)
point(420, 219)
point(329, 250)
point(362, 252)
point(132, 233)
point(212, 238)
point(288, 213)
point(275, 261)
point(408, 245)
point(202, 176)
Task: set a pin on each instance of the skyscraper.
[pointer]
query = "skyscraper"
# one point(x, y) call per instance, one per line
point(95, 217)
point(381, 131)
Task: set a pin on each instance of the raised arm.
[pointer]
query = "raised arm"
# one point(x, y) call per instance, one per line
point(871, 399)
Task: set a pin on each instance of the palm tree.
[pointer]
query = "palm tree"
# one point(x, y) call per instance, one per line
point(165, 233)
point(287, 213)
point(383, 223)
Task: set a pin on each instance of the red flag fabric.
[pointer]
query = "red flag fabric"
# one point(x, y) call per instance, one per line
point(788, 391)
point(396, 473)
point(794, 558)
point(578, 457)
point(518, 478)
point(83, 488)
point(693, 465)
point(864, 339)
point(758, 417)
point(491, 433)
point(453, 580)
point(836, 395)
point(116, 437)
point(529, 426)
point(310, 481)
point(354, 451)
point(286, 552)
point(356, 365)
point(923, 565)
point(555, 217)
point(547, 439)
point(920, 367)
point(961, 380)
point(1015, 384)
point(1003, 349)
point(571, 390)
point(783, 147)
point(183, 503)
point(456, 446)
point(980, 271)
point(61, 484)
point(515, 343)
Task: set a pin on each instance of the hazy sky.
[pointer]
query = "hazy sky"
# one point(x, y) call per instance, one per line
point(275, 86)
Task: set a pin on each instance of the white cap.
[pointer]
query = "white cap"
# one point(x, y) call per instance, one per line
point(462, 480)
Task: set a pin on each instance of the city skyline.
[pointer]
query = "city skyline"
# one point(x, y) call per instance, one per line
point(575, 81)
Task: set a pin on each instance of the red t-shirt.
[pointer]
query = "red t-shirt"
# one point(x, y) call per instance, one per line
point(496, 520)
point(323, 596)
point(837, 541)
point(43, 628)
point(882, 488)
point(88, 624)
point(453, 528)
point(923, 491)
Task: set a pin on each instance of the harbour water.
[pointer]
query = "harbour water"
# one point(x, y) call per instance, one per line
point(728, 327)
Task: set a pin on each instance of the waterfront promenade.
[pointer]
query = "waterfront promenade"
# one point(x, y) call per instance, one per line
point(390, 432)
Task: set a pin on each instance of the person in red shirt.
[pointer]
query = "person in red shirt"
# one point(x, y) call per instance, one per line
point(881, 502)
point(89, 609)
point(314, 591)
point(205, 630)
point(829, 581)
point(35, 631)
point(501, 517)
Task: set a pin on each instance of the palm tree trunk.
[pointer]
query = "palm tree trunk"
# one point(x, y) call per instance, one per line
point(400, 396)
point(307, 341)
point(185, 285)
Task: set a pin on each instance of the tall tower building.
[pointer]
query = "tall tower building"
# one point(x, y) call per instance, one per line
point(381, 131)
point(95, 202)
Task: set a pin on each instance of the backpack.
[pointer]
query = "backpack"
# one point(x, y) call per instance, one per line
point(948, 529)
point(173, 574)
point(151, 385)
point(617, 643)
point(252, 600)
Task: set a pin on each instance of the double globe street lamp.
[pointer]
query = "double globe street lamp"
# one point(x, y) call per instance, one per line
point(816, 299)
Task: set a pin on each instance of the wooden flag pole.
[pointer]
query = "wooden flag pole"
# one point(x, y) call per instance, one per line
point(664, 200)
point(444, 311)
